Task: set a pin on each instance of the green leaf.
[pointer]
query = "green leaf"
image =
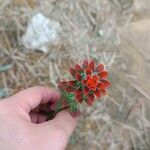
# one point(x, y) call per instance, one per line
point(58, 106)
point(74, 106)
point(83, 74)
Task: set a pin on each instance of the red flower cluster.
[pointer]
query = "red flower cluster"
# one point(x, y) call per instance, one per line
point(89, 82)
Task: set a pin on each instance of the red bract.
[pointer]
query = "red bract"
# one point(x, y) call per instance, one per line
point(89, 81)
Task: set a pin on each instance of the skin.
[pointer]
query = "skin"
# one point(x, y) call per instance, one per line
point(22, 128)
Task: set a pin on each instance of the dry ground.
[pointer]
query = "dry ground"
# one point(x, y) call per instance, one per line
point(113, 32)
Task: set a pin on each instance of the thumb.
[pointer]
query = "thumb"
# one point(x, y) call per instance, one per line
point(55, 133)
point(65, 122)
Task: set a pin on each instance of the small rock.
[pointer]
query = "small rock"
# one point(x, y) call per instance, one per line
point(40, 32)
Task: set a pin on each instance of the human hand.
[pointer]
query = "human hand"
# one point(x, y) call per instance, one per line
point(18, 125)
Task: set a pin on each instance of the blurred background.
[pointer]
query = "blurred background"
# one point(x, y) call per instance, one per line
point(41, 39)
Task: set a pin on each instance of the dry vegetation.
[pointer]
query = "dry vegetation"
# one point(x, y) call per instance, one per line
point(113, 32)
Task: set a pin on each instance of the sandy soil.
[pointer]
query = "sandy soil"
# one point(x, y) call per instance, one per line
point(113, 32)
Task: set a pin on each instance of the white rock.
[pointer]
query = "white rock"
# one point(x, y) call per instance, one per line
point(40, 32)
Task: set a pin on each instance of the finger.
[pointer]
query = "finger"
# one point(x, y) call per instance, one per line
point(64, 121)
point(37, 118)
point(32, 97)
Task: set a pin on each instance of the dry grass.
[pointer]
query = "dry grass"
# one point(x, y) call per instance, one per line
point(96, 29)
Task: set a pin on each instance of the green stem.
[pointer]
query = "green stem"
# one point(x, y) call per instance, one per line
point(52, 114)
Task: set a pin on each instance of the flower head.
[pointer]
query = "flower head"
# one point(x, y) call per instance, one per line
point(89, 82)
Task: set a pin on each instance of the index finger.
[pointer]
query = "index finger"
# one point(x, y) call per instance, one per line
point(32, 97)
